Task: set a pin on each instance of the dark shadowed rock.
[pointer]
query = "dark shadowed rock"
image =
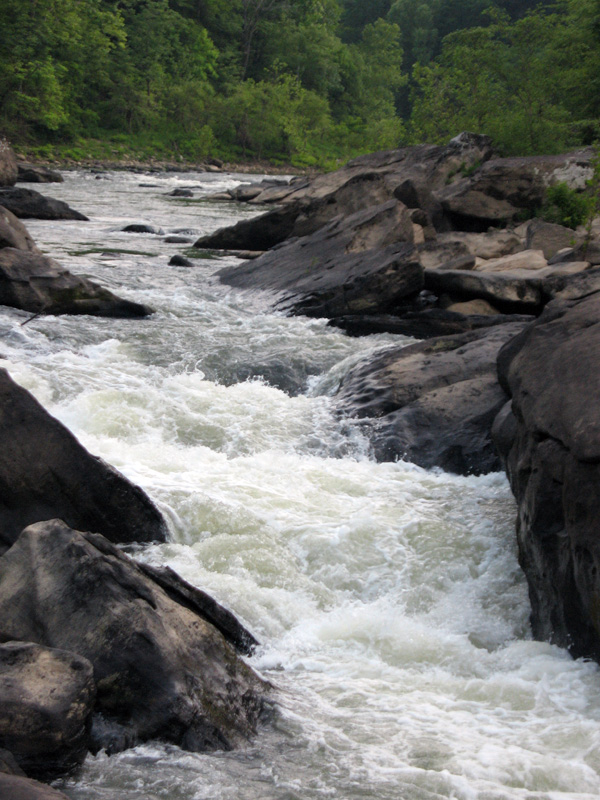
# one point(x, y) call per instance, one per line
point(46, 702)
point(585, 251)
point(142, 227)
point(503, 189)
point(35, 173)
point(15, 787)
point(180, 193)
point(363, 263)
point(8, 164)
point(34, 282)
point(161, 670)
point(259, 233)
point(177, 239)
point(14, 234)
point(45, 472)
point(422, 324)
point(180, 261)
point(549, 440)
point(28, 204)
point(8, 765)
point(432, 403)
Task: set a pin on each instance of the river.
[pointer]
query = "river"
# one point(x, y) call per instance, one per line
point(391, 611)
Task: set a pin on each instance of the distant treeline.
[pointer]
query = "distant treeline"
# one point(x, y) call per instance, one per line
point(301, 81)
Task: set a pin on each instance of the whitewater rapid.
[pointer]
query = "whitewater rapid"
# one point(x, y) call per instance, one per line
point(391, 611)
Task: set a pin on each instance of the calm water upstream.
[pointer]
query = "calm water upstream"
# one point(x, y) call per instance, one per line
point(388, 600)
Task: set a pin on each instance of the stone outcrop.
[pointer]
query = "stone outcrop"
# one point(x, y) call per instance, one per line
point(33, 282)
point(15, 787)
point(363, 263)
point(432, 403)
point(549, 439)
point(161, 670)
point(46, 702)
point(8, 164)
point(29, 204)
point(45, 472)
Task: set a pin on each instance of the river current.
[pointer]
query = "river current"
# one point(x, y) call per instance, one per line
point(391, 611)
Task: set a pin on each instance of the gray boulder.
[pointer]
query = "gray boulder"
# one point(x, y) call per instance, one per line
point(8, 164)
point(550, 238)
point(432, 403)
point(549, 440)
point(14, 234)
point(46, 702)
point(45, 472)
point(26, 203)
point(36, 283)
point(363, 264)
point(161, 670)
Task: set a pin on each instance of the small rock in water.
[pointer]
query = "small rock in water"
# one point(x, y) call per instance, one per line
point(180, 193)
point(142, 227)
point(180, 261)
point(177, 240)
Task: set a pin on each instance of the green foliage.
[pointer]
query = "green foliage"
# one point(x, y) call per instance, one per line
point(565, 206)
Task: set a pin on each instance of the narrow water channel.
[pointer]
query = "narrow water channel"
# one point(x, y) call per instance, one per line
point(392, 615)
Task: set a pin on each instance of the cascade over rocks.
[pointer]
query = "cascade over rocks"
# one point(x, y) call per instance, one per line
point(46, 702)
point(161, 670)
point(27, 203)
point(34, 282)
point(432, 403)
point(45, 472)
point(549, 440)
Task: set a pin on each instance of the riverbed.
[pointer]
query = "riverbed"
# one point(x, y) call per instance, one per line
point(388, 601)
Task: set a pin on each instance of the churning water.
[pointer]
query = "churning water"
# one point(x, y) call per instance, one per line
point(392, 615)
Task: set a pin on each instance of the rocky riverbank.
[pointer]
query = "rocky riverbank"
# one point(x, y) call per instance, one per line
point(96, 651)
point(444, 244)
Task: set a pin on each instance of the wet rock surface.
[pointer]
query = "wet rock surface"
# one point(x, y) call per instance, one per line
point(27, 203)
point(45, 472)
point(161, 670)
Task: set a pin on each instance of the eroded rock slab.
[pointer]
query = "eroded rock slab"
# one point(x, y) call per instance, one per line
point(45, 472)
point(161, 670)
point(363, 263)
point(14, 234)
point(432, 403)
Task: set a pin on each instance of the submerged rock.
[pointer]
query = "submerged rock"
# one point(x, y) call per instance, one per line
point(161, 670)
point(26, 203)
point(36, 283)
point(46, 702)
point(549, 439)
point(45, 472)
point(432, 403)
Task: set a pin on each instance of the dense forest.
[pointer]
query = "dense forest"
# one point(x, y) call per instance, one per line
point(307, 82)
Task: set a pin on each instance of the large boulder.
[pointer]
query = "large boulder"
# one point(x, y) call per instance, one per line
point(364, 263)
point(162, 671)
point(45, 472)
point(8, 164)
point(549, 439)
point(432, 403)
point(27, 203)
point(504, 189)
point(33, 282)
point(14, 234)
point(46, 702)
